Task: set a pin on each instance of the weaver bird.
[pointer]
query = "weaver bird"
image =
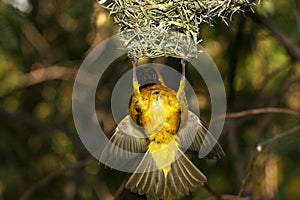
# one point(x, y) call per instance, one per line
point(160, 125)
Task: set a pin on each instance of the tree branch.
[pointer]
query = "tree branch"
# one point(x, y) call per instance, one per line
point(43, 74)
point(258, 111)
point(120, 190)
point(262, 111)
point(277, 137)
point(46, 74)
point(247, 179)
point(289, 45)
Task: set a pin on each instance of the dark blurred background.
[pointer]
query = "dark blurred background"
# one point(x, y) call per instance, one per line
point(42, 45)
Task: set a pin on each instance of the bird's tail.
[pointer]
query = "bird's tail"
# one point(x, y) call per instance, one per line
point(181, 178)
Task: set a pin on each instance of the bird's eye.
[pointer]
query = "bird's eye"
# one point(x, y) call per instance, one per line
point(137, 109)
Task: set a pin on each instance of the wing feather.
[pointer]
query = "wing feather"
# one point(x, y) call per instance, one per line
point(192, 137)
point(126, 141)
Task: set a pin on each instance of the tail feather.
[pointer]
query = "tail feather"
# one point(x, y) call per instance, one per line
point(180, 182)
point(160, 182)
point(191, 173)
point(146, 182)
point(186, 177)
point(182, 178)
point(142, 182)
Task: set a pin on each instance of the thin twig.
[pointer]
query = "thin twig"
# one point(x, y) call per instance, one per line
point(249, 174)
point(279, 136)
point(262, 111)
point(258, 111)
point(121, 188)
point(26, 195)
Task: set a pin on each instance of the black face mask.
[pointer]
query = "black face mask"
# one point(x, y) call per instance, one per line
point(147, 75)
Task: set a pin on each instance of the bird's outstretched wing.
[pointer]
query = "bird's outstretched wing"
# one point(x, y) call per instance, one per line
point(126, 142)
point(192, 137)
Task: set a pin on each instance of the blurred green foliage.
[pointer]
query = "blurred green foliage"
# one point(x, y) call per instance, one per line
point(40, 51)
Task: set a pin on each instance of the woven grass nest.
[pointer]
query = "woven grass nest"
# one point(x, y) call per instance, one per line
point(148, 27)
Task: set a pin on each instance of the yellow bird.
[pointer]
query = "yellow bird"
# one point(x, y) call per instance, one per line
point(162, 127)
